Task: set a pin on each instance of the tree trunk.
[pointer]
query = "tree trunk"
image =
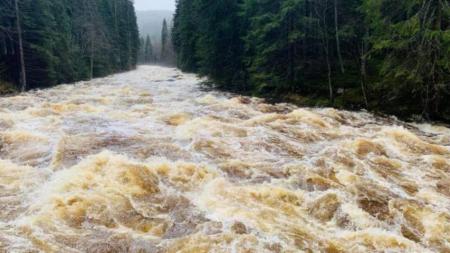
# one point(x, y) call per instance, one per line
point(115, 18)
point(327, 56)
point(364, 71)
point(91, 67)
point(23, 75)
point(290, 54)
point(116, 27)
point(326, 45)
point(436, 78)
point(4, 46)
point(338, 42)
point(323, 32)
point(129, 60)
point(330, 84)
point(425, 112)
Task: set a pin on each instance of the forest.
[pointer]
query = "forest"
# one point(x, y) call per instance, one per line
point(382, 55)
point(48, 42)
point(157, 52)
point(263, 126)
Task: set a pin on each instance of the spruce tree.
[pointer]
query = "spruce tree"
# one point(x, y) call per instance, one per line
point(410, 50)
point(149, 57)
point(185, 34)
point(164, 41)
point(378, 54)
point(65, 41)
point(141, 54)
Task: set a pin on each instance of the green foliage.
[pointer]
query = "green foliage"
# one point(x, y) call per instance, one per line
point(219, 46)
point(146, 53)
point(379, 54)
point(66, 41)
point(148, 50)
point(207, 39)
point(164, 41)
point(410, 48)
point(185, 34)
point(272, 44)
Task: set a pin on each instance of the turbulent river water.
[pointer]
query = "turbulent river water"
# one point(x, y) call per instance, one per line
point(148, 161)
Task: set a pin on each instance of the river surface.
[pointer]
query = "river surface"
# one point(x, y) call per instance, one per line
point(148, 161)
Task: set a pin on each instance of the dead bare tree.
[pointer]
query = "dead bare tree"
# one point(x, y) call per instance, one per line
point(338, 41)
point(321, 8)
point(363, 68)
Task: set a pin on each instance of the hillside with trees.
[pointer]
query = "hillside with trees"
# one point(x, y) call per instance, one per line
point(154, 28)
point(150, 21)
point(390, 56)
point(47, 42)
point(157, 49)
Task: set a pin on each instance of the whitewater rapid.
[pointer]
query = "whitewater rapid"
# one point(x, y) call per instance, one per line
point(149, 161)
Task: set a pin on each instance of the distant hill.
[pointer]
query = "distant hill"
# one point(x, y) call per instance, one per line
point(150, 22)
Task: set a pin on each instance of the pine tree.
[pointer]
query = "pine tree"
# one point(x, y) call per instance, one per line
point(185, 34)
point(164, 41)
point(64, 41)
point(23, 76)
point(356, 53)
point(410, 49)
point(141, 52)
point(219, 45)
point(7, 48)
point(149, 56)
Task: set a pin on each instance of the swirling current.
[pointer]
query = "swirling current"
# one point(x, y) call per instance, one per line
point(148, 161)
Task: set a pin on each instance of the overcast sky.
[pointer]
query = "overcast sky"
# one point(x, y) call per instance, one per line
point(143, 5)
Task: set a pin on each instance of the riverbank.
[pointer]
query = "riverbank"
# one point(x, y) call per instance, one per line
point(6, 88)
point(148, 161)
point(345, 99)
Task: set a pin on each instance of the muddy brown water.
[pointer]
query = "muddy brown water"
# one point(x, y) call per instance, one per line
point(147, 161)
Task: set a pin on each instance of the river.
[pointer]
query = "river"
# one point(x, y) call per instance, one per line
point(149, 161)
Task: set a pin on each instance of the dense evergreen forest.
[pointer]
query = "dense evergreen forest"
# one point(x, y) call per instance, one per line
point(46, 42)
point(384, 55)
point(158, 52)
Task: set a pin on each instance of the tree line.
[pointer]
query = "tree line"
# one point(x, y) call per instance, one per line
point(158, 53)
point(391, 56)
point(46, 42)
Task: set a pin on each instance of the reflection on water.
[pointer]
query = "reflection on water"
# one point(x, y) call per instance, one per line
point(146, 161)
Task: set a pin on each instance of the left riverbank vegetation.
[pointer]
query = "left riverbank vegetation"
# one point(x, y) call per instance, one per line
point(46, 42)
point(383, 55)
